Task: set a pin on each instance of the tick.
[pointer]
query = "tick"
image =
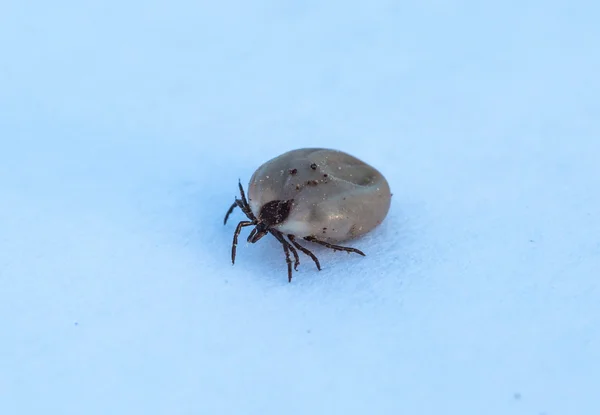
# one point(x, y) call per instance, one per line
point(318, 195)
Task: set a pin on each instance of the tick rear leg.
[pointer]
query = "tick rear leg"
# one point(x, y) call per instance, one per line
point(292, 239)
point(334, 247)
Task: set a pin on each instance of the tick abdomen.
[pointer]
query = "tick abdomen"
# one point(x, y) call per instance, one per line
point(336, 197)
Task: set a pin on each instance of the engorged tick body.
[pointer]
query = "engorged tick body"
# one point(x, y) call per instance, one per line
point(320, 195)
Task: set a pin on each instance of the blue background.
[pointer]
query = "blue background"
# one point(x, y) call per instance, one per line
point(124, 127)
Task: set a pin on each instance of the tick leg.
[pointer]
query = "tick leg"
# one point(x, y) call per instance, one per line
point(245, 209)
point(286, 249)
point(296, 257)
point(292, 239)
point(334, 247)
point(244, 203)
point(242, 192)
point(238, 229)
point(279, 236)
point(229, 211)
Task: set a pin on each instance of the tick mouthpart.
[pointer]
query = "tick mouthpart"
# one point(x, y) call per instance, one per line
point(258, 232)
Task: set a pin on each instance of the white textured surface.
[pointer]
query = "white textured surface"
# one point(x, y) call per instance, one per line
point(124, 128)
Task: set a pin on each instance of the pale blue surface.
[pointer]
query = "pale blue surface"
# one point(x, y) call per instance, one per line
point(124, 128)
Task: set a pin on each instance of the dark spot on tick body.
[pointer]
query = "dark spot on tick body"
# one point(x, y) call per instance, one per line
point(313, 166)
point(275, 212)
point(325, 175)
point(293, 171)
point(312, 182)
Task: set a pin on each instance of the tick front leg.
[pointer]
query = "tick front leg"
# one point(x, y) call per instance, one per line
point(238, 229)
point(246, 209)
point(244, 202)
point(334, 247)
point(229, 212)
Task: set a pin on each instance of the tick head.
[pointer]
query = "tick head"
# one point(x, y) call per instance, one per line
point(272, 213)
